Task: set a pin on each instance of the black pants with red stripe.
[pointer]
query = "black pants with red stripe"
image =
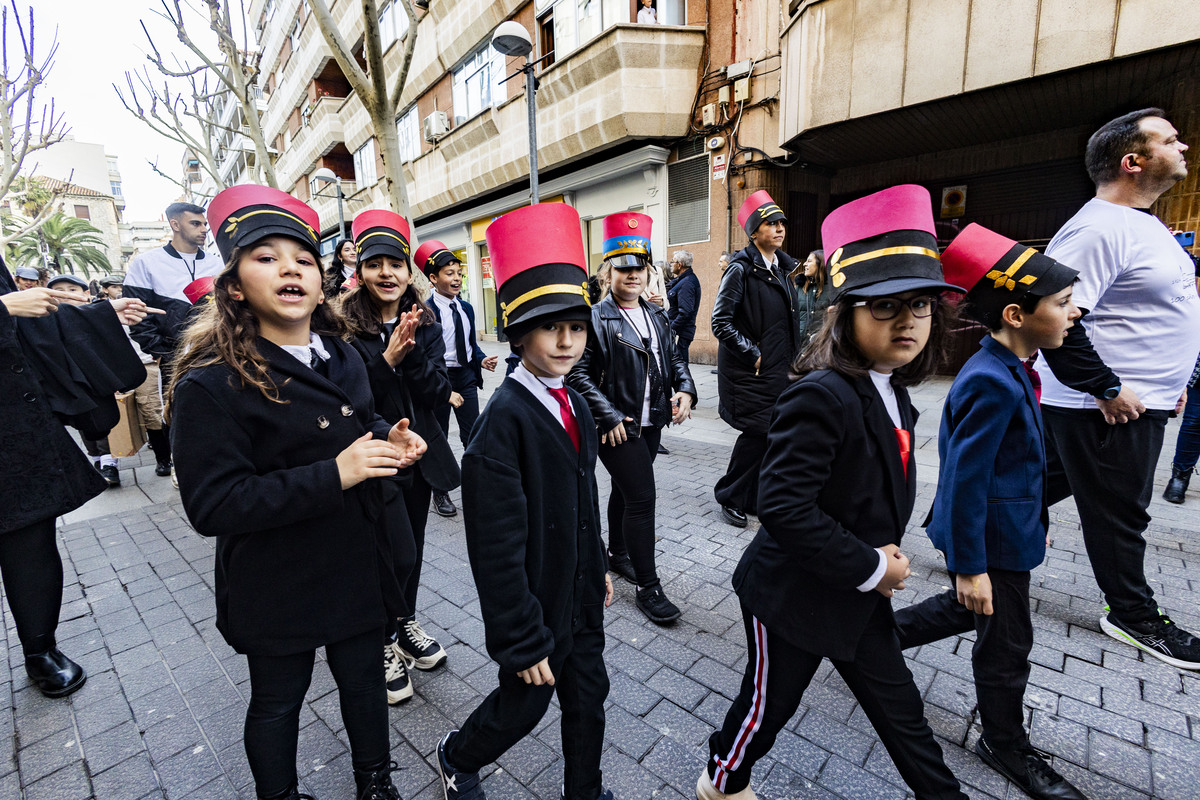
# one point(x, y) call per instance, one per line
point(777, 674)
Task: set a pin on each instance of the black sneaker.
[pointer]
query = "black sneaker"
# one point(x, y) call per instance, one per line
point(605, 794)
point(734, 516)
point(655, 605)
point(422, 649)
point(1029, 770)
point(622, 566)
point(395, 674)
point(162, 469)
point(376, 784)
point(1160, 637)
point(110, 475)
point(443, 505)
point(662, 451)
point(457, 785)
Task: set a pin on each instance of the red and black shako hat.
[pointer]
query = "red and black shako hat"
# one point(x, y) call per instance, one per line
point(627, 239)
point(242, 215)
point(884, 244)
point(432, 256)
point(1000, 271)
point(380, 233)
point(539, 265)
point(759, 208)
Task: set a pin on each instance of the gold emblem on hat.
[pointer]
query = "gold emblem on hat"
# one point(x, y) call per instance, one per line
point(633, 223)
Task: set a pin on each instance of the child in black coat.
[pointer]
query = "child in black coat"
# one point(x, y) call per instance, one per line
point(835, 494)
point(280, 455)
point(532, 517)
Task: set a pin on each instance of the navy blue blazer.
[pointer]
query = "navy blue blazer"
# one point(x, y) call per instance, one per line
point(477, 354)
point(684, 294)
point(989, 509)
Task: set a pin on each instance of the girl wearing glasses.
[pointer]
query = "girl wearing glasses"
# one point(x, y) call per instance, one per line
point(815, 581)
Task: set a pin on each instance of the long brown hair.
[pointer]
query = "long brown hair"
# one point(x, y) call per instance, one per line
point(225, 332)
point(802, 279)
point(361, 311)
point(834, 347)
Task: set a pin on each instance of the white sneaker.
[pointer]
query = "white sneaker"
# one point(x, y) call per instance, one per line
point(422, 650)
point(706, 791)
point(174, 480)
point(396, 664)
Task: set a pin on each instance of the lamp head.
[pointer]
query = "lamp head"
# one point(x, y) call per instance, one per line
point(511, 39)
point(325, 175)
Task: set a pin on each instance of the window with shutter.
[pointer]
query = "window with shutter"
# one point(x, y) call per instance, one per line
point(687, 200)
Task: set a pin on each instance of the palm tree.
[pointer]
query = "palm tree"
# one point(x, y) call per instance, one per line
point(72, 244)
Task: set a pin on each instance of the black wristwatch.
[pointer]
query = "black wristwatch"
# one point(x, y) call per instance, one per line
point(1111, 392)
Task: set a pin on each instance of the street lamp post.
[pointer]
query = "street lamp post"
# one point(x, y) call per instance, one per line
point(511, 39)
point(326, 175)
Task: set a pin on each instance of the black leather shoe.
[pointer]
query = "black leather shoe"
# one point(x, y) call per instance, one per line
point(443, 505)
point(55, 674)
point(111, 476)
point(734, 516)
point(1178, 485)
point(376, 784)
point(1029, 770)
point(162, 469)
point(655, 605)
point(662, 451)
point(622, 566)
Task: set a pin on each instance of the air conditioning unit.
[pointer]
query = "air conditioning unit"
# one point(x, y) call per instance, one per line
point(435, 126)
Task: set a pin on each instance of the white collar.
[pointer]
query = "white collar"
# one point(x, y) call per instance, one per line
point(304, 352)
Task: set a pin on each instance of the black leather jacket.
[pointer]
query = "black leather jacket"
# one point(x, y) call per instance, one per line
point(611, 376)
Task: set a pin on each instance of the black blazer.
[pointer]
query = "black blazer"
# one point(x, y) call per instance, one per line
point(532, 519)
point(417, 387)
point(611, 376)
point(754, 315)
point(477, 354)
point(297, 556)
point(832, 489)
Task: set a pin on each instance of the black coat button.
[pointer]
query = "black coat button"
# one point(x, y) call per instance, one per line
point(30, 397)
point(17, 368)
point(583, 526)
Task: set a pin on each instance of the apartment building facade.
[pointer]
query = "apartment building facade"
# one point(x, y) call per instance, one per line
point(629, 117)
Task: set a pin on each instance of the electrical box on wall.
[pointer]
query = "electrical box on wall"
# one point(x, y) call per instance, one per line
point(723, 94)
point(741, 90)
point(708, 114)
point(738, 70)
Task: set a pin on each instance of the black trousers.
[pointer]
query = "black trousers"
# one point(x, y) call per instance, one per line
point(631, 503)
point(1110, 471)
point(462, 380)
point(1000, 656)
point(514, 709)
point(277, 688)
point(738, 487)
point(33, 582)
point(682, 346)
point(416, 500)
point(777, 674)
point(95, 447)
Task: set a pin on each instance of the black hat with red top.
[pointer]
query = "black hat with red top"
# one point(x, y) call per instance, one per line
point(540, 268)
point(380, 233)
point(432, 256)
point(757, 209)
point(243, 215)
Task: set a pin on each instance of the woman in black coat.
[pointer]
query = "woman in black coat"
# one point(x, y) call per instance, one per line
point(47, 474)
point(754, 319)
point(398, 338)
point(635, 382)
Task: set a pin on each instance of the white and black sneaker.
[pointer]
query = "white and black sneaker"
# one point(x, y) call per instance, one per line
point(422, 649)
point(1160, 637)
point(456, 785)
point(395, 674)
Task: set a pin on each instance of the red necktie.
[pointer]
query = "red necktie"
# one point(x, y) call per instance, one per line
point(568, 417)
point(904, 438)
point(1035, 380)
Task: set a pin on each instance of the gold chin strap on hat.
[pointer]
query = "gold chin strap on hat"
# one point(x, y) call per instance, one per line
point(232, 221)
point(836, 264)
point(541, 291)
point(1004, 280)
point(358, 246)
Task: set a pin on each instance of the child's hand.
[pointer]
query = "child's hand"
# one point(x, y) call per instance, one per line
point(608, 590)
point(489, 363)
point(456, 399)
point(682, 403)
point(617, 435)
point(367, 458)
point(897, 570)
point(538, 674)
point(401, 342)
point(410, 447)
point(975, 592)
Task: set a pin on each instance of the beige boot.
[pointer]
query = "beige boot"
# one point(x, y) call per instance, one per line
point(706, 791)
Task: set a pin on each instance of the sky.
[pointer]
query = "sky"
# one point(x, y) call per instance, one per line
point(97, 43)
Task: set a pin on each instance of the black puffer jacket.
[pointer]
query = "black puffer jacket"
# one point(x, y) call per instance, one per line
point(611, 376)
point(754, 316)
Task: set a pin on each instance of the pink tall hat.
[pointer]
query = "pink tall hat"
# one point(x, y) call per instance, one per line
point(884, 244)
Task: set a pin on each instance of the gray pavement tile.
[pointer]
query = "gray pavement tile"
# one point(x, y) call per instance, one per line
point(69, 783)
point(682, 690)
point(1120, 760)
point(186, 771)
point(115, 745)
point(677, 723)
point(527, 759)
point(52, 719)
point(105, 713)
point(851, 780)
point(631, 735)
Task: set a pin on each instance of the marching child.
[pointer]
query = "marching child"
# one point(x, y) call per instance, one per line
point(280, 455)
point(836, 491)
point(532, 517)
point(396, 336)
point(989, 517)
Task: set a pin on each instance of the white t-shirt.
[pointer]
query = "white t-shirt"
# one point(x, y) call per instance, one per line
point(639, 320)
point(647, 16)
point(1140, 286)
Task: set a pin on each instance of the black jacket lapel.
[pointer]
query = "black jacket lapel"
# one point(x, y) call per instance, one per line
point(879, 427)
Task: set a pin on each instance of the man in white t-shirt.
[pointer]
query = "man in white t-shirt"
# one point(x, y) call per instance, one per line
point(646, 14)
point(1111, 387)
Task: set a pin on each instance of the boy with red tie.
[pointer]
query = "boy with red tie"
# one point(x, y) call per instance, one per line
point(532, 517)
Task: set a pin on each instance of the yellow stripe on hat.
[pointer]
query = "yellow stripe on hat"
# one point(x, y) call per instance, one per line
point(232, 221)
point(358, 246)
point(1004, 280)
point(905, 250)
point(541, 291)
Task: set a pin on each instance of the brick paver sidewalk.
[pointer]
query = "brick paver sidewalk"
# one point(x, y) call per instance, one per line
point(162, 712)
